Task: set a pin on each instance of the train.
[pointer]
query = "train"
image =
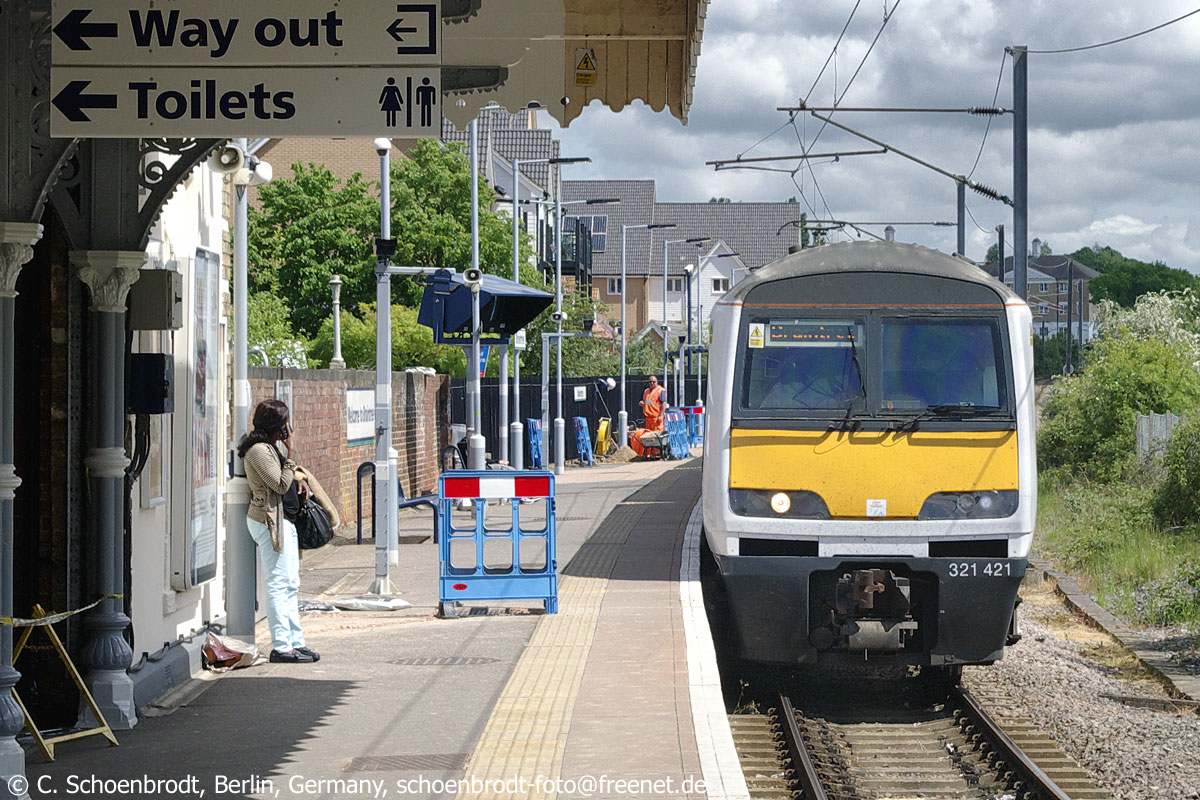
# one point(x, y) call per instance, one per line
point(869, 477)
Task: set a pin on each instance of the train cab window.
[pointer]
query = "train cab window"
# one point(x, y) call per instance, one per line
point(795, 364)
point(931, 362)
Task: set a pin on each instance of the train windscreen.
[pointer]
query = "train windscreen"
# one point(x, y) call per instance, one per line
point(797, 364)
point(937, 362)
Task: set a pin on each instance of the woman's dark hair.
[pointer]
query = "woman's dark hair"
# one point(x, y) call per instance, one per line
point(270, 417)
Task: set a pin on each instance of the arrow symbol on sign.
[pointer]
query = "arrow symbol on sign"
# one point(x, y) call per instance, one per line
point(72, 29)
point(395, 30)
point(71, 101)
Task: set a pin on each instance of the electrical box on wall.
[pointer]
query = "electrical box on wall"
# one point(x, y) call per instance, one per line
point(151, 384)
point(156, 301)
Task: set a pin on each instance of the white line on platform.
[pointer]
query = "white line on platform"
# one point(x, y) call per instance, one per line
point(719, 763)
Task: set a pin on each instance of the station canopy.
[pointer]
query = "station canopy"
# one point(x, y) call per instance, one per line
point(522, 52)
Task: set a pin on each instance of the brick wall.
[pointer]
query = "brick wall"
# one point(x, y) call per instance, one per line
point(420, 428)
point(343, 157)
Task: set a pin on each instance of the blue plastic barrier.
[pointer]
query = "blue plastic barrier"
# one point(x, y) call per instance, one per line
point(533, 429)
point(695, 424)
point(518, 575)
point(582, 441)
point(676, 434)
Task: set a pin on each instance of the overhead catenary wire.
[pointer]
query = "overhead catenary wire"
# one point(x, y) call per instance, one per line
point(1116, 41)
point(999, 78)
point(982, 189)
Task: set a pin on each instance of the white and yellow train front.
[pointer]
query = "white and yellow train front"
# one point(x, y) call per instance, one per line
point(869, 472)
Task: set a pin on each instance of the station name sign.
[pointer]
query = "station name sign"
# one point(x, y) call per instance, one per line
point(305, 68)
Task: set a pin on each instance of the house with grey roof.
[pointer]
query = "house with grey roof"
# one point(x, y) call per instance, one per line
point(1053, 282)
point(739, 237)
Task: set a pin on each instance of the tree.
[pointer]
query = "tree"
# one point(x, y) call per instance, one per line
point(412, 344)
point(310, 227)
point(993, 253)
point(1123, 280)
point(1050, 354)
point(268, 328)
point(313, 225)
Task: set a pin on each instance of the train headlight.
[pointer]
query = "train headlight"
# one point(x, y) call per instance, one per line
point(774, 504)
point(970, 505)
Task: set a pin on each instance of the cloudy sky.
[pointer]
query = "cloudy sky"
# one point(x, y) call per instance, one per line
point(1114, 138)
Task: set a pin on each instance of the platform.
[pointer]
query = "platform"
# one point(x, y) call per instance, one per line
point(614, 696)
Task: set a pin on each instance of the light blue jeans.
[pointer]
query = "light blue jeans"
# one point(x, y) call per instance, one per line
point(282, 571)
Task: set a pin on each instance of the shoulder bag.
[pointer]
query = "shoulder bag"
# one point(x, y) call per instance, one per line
point(313, 528)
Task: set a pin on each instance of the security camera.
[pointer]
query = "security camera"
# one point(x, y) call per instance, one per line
point(227, 159)
point(382, 146)
point(559, 316)
point(473, 277)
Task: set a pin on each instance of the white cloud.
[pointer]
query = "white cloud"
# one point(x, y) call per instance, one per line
point(1113, 150)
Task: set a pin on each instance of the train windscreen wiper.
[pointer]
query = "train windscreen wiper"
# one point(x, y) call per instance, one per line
point(846, 423)
point(961, 410)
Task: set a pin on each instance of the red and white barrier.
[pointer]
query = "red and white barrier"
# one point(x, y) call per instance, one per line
point(498, 488)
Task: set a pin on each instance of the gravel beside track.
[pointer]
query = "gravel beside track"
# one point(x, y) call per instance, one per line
point(1054, 676)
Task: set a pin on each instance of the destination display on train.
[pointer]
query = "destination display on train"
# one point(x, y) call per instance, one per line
point(811, 333)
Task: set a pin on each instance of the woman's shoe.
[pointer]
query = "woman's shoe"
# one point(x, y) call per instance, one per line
point(293, 656)
point(305, 651)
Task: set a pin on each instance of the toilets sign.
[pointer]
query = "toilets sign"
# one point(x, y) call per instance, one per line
point(303, 68)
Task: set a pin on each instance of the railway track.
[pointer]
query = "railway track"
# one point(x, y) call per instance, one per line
point(860, 745)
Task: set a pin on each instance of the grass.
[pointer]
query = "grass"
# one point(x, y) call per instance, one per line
point(1106, 535)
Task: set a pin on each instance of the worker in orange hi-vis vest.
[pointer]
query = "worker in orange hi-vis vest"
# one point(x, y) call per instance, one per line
point(654, 405)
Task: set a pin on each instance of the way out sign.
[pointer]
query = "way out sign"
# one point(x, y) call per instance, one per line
point(201, 32)
point(150, 102)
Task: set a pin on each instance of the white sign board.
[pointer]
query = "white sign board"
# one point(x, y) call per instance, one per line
point(296, 33)
point(360, 416)
point(151, 102)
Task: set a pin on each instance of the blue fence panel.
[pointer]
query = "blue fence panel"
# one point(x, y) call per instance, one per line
point(676, 434)
point(533, 429)
point(583, 441)
point(695, 424)
point(527, 568)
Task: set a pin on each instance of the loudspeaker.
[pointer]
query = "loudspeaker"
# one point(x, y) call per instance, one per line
point(227, 159)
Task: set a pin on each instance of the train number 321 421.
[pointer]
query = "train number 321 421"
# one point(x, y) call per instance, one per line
point(972, 569)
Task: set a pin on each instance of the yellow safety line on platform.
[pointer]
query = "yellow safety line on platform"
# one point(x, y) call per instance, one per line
point(526, 735)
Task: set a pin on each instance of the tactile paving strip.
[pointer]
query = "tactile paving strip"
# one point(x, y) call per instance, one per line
point(526, 735)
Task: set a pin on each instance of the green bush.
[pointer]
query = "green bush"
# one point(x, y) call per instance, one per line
point(1178, 499)
point(412, 344)
point(1088, 424)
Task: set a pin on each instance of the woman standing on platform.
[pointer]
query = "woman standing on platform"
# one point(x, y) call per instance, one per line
point(271, 475)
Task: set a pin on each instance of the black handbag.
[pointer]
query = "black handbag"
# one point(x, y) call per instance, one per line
point(313, 528)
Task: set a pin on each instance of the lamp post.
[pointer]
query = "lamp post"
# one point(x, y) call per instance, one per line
point(700, 325)
point(623, 415)
point(335, 286)
point(241, 576)
point(666, 244)
point(517, 427)
point(546, 386)
point(385, 516)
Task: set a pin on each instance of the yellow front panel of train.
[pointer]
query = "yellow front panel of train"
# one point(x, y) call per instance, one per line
point(848, 469)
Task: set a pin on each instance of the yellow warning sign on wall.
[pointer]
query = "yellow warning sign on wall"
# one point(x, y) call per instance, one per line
point(585, 67)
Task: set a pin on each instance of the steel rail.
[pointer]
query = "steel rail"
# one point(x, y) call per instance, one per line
point(1042, 784)
point(807, 774)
